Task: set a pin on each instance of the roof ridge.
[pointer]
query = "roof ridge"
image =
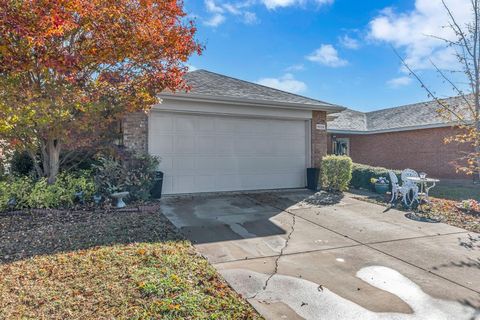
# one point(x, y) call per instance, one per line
point(426, 102)
point(261, 85)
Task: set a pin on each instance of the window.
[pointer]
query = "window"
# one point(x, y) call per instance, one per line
point(341, 146)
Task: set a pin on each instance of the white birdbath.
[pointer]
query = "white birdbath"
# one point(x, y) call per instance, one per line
point(119, 196)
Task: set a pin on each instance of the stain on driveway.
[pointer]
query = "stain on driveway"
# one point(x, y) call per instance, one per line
point(281, 252)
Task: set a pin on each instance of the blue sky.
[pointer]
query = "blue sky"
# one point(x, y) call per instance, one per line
point(340, 51)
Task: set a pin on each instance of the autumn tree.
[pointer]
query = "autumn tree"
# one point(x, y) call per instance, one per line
point(71, 68)
point(465, 42)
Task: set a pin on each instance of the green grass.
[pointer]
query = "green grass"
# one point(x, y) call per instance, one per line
point(456, 192)
point(137, 281)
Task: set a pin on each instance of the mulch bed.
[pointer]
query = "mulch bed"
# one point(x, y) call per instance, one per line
point(448, 212)
point(30, 233)
point(443, 210)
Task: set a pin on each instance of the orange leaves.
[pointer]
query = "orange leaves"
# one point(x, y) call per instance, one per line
point(75, 64)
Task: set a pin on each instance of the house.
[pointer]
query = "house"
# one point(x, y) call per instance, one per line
point(410, 136)
point(226, 134)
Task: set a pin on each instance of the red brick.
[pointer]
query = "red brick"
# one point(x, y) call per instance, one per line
point(319, 138)
point(135, 132)
point(421, 150)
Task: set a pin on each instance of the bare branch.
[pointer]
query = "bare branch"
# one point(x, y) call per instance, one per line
point(430, 93)
point(454, 86)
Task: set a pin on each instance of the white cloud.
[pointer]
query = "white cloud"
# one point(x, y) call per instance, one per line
point(286, 83)
point(274, 4)
point(412, 31)
point(221, 9)
point(191, 67)
point(328, 56)
point(250, 18)
point(296, 67)
point(399, 82)
point(211, 6)
point(349, 42)
point(216, 20)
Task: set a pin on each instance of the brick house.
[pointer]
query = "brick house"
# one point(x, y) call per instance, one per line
point(226, 134)
point(410, 136)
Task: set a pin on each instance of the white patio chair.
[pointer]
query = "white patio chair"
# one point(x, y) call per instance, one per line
point(410, 185)
point(397, 189)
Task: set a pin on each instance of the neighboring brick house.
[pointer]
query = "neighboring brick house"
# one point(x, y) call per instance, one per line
point(410, 136)
point(227, 134)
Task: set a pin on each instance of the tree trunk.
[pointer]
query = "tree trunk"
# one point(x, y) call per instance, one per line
point(477, 117)
point(51, 159)
point(36, 165)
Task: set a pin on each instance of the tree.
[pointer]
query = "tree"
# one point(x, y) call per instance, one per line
point(465, 42)
point(70, 68)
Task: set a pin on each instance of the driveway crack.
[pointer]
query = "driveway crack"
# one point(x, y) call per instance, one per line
point(277, 259)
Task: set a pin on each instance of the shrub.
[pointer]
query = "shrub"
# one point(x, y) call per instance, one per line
point(78, 160)
point(21, 163)
point(141, 174)
point(61, 194)
point(17, 190)
point(135, 175)
point(362, 175)
point(336, 172)
point(28, 193)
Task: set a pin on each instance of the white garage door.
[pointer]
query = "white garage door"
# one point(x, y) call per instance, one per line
point(203, 153)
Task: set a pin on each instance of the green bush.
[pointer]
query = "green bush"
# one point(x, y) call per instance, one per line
point(141, 174)
point(61, 194)
point(21, 163)
point(28, 193)
point(336, 172)
point(135, 175)
point(17, 189)
point(362, 175)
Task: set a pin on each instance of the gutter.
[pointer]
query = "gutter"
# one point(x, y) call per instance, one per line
point(367, 132)
point(329, 108)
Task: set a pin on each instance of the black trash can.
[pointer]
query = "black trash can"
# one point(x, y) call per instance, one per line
point(156, 191)
point(313, 175)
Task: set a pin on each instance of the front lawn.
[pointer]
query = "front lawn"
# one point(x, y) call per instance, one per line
point(456, 192)
point(107, 265)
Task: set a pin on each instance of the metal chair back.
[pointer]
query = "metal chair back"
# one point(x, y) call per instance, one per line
point(393, 177)
point(408, 173)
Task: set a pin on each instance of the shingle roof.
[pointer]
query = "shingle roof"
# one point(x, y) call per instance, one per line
point(413, 115)
point(203, 82)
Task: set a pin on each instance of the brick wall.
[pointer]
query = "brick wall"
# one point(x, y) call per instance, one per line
point(421, 150)
point(135, 132)
point(319, 138)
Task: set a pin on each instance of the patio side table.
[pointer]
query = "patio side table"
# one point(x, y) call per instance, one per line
point(424, 184)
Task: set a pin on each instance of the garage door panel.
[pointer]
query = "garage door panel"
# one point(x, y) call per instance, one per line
point(162, 124)
point(206, 165)
point(184, 165)
point(224, 125)
point(161, 144)
point(167, 186)
point(185, 123)
point(184, 144)
point(229, 182)
point(205, 124)
point(205, 181)
point(224, 146)
point(166, 164)
point(218, 153)
point(226, 165)
point(205, 145)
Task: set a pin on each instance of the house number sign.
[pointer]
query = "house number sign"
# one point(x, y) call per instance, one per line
point(321, 126)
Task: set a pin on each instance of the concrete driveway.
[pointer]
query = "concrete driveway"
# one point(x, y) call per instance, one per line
point(350, 260)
